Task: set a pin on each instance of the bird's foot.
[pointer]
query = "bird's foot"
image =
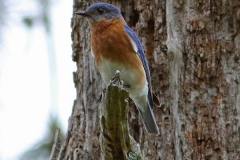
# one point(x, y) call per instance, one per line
point(133, 156)
point(116, 79)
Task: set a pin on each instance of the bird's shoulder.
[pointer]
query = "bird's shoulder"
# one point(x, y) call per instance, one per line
point(138, 47)
point(135, 40)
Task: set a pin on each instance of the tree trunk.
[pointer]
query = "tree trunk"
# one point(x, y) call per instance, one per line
point(116, 142)
point(193, 48)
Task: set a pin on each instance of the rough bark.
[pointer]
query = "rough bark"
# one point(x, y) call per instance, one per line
point(193, 48)
point(115, 139)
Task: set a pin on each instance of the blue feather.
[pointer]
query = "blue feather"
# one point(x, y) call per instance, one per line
point(141, 54)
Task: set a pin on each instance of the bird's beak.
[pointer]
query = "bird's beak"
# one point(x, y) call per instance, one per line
point(84, 14)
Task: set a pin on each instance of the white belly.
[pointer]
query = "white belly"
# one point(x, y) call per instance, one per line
point(129, 76)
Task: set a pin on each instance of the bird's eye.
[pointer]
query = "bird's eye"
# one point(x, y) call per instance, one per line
point(100, 10)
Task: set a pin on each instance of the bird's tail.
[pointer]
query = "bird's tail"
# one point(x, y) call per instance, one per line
point(149, 120)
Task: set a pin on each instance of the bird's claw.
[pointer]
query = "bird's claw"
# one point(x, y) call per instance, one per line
point(116, 79)
point(133, 156)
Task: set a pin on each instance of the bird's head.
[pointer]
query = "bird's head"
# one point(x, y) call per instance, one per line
point(98, 12)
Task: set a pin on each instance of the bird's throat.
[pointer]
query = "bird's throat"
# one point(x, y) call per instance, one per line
point(99, 27)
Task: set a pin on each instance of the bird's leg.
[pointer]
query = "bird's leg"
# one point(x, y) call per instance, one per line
point(116, 79)
point(133, 156)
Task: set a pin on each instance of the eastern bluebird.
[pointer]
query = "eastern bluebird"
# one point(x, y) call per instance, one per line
point(116, 46)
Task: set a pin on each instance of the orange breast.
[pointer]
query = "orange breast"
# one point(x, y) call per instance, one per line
point(111, 42)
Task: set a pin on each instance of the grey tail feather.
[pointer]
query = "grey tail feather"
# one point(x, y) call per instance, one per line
point(149, 120)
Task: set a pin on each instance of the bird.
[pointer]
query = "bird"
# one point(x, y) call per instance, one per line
point(116, 47)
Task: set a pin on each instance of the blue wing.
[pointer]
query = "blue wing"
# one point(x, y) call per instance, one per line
point(140, 53)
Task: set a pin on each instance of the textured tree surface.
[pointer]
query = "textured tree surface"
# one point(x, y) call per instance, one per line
point(193, 48)
point(115, 140)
